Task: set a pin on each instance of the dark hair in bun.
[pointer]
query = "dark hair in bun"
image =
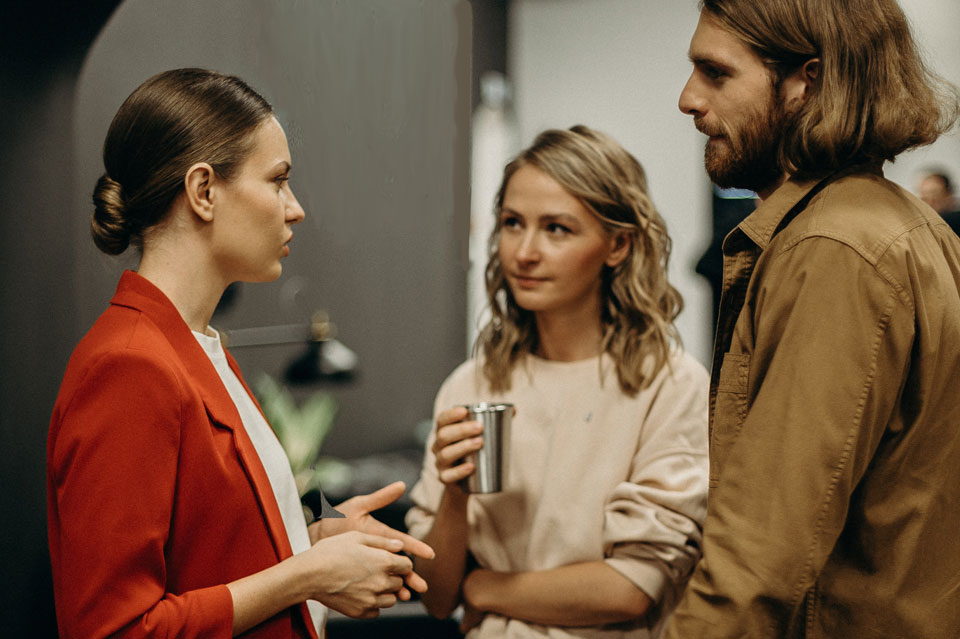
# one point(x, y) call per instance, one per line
point(109, 226)
point(170, 122)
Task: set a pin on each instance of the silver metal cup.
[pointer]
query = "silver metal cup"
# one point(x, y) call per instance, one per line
point(491, 460)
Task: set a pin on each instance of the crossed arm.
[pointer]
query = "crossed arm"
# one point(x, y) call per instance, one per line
point(584, 594)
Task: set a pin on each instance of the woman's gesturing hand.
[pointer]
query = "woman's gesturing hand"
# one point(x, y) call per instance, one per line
point(357, 517)
point(454, 440)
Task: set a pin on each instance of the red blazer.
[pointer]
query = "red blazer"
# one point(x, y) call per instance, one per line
point(156, 497)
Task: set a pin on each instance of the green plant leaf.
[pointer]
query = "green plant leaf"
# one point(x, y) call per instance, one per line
point(301, 430)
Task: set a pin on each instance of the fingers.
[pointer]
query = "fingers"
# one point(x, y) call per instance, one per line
point(453, 442)
point(394, 584)
point(393, 563)
point(379, 541)
point(397, 590)
point(415, 547)
point(451, 415)
point(382, 600)
point(415, 582)
point(363, 572)
point(380, 498)
point(453, 474)
point(463, 439)
point(455, 433)
point(411, 545)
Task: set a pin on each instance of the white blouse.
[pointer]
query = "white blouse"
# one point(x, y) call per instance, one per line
point(274, 459)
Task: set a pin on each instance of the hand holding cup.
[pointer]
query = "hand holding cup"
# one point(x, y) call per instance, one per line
point(455, 439)
point(474, 452)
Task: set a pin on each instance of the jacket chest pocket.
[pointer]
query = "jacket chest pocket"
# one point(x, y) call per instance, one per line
point(730, 409)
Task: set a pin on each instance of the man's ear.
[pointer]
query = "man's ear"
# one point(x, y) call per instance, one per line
point(799, 85)
point(811, 71)
point(198, 185)
point(621, 243)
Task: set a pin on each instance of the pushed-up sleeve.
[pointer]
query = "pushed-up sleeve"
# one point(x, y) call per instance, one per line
point(113, 471)
point(652, 522)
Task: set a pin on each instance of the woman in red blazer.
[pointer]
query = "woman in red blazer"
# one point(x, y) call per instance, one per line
point(162, 518)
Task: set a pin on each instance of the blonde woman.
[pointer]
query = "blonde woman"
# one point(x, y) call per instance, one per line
point(599, 525)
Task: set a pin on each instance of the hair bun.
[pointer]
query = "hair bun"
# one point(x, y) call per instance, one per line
point(109, 225)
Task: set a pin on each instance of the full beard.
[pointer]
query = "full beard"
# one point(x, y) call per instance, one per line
point(748, 158)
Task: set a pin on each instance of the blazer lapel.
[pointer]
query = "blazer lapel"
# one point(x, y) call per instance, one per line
point(251, 462)
point(137, 292)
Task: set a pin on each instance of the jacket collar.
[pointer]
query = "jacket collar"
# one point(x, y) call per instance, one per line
point(781, 206)
point(136, 292)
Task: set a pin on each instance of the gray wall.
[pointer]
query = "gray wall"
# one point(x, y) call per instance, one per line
point(35, 291)
point(375, 99)
point(41, 49)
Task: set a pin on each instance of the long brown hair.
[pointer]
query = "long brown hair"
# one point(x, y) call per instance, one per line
point(639, 304)
point(170, 122)
point(874, 97)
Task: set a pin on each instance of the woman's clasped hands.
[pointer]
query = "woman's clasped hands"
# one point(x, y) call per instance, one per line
point(355, 566)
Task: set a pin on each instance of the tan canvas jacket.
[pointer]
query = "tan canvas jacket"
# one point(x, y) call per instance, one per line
point(834, 505)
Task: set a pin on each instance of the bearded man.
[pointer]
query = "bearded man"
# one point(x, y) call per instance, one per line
point(834, 504)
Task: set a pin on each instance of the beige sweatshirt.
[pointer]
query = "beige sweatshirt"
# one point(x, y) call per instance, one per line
point(593, 475)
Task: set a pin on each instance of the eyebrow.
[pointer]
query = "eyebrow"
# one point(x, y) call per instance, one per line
point(704, 61)
point(559, 217)
point(283, 164)
point(550, 217)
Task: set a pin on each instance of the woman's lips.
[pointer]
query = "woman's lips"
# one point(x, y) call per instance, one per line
point(525, 281)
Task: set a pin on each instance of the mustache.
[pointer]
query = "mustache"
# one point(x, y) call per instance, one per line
point(702, 127)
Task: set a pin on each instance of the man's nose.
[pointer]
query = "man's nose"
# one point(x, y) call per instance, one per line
point(691, 102)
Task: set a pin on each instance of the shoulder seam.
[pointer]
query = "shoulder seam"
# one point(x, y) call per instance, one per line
point(884, 274)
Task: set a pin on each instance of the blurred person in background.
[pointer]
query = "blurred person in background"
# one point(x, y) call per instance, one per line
point(936, 189)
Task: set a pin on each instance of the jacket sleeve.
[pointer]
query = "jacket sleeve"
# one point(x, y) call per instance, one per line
point(113, 467)
point(652, 521)
point(832, 340)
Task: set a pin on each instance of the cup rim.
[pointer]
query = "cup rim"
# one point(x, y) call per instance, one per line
point(488, 407)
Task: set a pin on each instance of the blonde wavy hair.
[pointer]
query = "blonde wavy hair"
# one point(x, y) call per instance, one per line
point(639, 304)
